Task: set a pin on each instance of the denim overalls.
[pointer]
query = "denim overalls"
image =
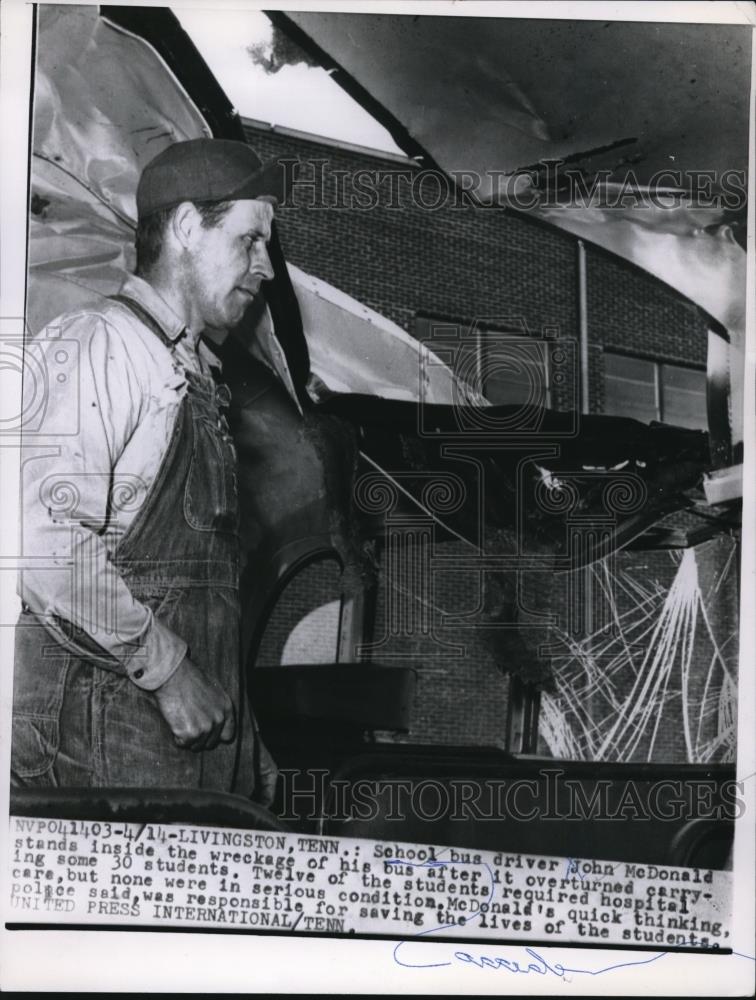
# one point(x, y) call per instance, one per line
point(76, 723)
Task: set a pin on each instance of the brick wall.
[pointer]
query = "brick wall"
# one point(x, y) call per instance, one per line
point(461, 261)
point(631, 311)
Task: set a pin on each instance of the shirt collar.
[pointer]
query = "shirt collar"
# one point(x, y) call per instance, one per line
point(144, 294)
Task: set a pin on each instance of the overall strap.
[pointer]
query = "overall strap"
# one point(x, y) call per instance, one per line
point(141, 313)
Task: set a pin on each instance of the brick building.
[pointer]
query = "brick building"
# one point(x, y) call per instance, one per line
point(394, 236)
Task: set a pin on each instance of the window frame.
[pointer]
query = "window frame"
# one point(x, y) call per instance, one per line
point(659, 363)
point(480, 327)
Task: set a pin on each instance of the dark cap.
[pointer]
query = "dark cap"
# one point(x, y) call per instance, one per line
point(207, 170)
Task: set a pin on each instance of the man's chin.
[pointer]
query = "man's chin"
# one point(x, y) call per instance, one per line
point(224, 324)
point(216, 334)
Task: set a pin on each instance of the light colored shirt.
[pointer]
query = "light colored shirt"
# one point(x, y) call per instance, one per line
point(90, 454)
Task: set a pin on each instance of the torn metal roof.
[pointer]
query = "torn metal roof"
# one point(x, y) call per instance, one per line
point(505, 93)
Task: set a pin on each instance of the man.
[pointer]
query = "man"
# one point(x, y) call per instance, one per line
point(127, 669)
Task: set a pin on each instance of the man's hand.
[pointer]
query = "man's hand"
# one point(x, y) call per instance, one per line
point(196, 707)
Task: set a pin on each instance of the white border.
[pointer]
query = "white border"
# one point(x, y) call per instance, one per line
point(93, 961)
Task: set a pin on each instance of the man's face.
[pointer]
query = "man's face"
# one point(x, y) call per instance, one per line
point(229, 261)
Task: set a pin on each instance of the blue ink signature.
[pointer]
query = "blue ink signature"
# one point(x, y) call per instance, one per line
point(543, 967)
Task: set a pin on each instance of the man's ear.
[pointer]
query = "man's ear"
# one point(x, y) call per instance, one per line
point(185, 223)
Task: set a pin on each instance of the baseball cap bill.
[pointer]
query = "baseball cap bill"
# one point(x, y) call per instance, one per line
point(207, 170)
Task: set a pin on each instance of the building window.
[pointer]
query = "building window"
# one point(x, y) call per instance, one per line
point(654, 390)
point(500, 360)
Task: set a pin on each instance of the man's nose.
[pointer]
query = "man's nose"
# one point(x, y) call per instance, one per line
point(261, 264)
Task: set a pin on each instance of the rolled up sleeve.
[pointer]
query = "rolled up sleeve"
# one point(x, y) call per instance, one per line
point(70, 517)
